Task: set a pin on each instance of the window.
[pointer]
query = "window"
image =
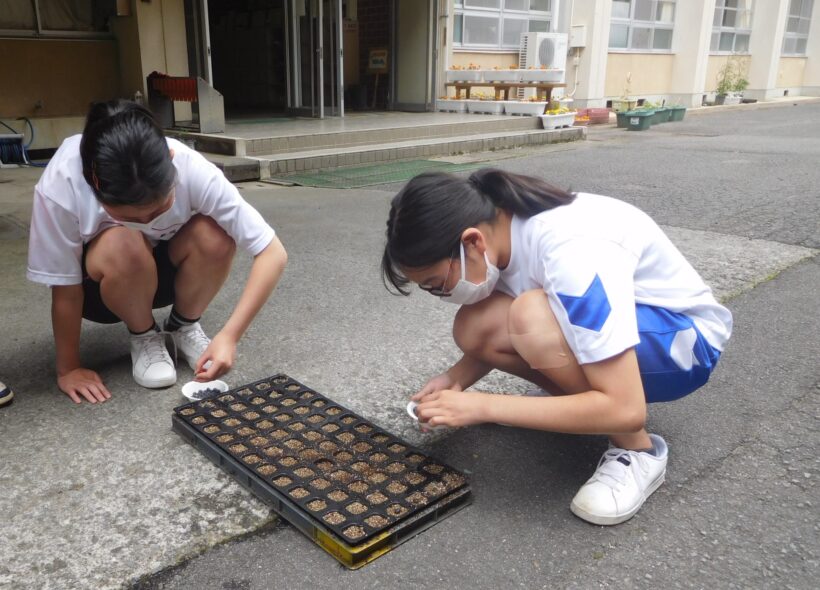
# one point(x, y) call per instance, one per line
point(498, 24)
point(732, 26)
point(797, 27)
point(642, 25)
point(53, 18)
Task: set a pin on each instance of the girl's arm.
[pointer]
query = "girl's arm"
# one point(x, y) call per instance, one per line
point(460, 376)
point(266, 270)
point(614, 404)
point(66, 318)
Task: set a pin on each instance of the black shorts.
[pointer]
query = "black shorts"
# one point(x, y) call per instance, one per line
point(95, 310)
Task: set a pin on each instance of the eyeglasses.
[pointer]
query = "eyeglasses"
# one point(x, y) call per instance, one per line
point(439, 291)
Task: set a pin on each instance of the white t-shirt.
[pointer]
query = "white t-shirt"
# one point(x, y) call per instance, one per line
point(66, 214)
point(598, 257)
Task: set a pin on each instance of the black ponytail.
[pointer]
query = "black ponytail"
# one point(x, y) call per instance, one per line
point(125, 155)
point(428, 216)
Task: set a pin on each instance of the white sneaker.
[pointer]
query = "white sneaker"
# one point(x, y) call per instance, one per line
point(191, 341)
point(152, 365)
point(621, 484)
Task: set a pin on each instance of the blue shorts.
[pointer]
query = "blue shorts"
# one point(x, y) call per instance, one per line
point(674, 357)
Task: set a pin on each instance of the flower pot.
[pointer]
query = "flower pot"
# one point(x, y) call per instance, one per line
point(464, 75)
point(502, 75)
point(556, 76)
point(557, 121)
point(490, 107)
point(451, 106)
point(677, 113)
point(639, 120)
point(621, 105)
point(531, 109)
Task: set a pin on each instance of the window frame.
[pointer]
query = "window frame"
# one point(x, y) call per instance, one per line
point(797, 37)
point(40, 33)
point(633, 23)
point(720, 30)
point(462, 9)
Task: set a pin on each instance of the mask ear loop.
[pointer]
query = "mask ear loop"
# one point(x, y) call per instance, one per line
point(463, 262)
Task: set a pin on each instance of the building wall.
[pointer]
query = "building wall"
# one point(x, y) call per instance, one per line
point(790, 74)
point(651, 74)
point(684, 74)
point(62, 76)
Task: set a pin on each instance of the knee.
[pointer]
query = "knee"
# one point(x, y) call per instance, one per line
point(535, 333)
point(528, 307)
point(466, 331)
point(212, 241)
point(120, 252)
point(481, 328)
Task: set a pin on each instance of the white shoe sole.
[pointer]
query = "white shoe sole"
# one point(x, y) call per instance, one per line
point(156, 383)
point(618, 519)
point(7, 399)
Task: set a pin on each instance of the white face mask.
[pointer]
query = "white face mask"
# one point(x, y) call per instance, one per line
point(465, 292)
point(158, 224)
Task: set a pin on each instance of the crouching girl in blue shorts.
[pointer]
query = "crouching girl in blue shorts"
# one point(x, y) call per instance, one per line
point(581, 294)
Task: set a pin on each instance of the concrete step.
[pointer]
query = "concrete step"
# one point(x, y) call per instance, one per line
point(412, 150)
point(265, 145)
point(254, 168)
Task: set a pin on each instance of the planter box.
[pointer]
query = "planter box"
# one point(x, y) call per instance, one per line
point(531, 109)
point(677, 113)
point(622, 120)
point(639, 120)
point(502, 75)
point(464, 75)
point(727, 99)
point(557, 121)
point(619, 106)
point(661, 115)
point(556, 76)
point(598, 116)
point(451, 106)
point(490, 107)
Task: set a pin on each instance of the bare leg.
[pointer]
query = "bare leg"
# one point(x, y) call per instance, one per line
point(483, 330)
point(122, 262)
point(480, 331)
point(202, 253)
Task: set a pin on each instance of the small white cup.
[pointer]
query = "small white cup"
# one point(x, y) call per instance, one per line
point(193, 389)
point(411, 411)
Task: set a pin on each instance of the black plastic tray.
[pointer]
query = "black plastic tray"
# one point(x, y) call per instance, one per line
point(339, 471)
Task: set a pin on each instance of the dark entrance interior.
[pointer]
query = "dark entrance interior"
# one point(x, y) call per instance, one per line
point(249, 56)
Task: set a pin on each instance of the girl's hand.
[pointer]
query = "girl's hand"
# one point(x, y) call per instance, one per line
point(85, 383)
point(453, 408)
point(219, 358)
point(437, 383)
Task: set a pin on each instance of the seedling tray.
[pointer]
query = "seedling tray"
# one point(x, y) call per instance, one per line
point(354, 488)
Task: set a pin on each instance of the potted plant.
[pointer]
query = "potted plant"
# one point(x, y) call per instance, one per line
point(661, 115)
point(451, 104)
point(469, 73)
point(731, 82)
point(499, 74)
point(484, 103)
point(529, 107)
point(557, 116)
point(626, 102)
point(677, 112)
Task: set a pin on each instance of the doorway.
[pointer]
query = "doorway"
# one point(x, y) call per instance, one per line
point(318, 75)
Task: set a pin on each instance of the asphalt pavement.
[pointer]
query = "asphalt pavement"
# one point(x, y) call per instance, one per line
point(107, 496)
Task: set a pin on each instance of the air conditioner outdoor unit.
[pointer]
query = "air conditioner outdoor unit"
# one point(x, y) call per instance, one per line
point(543, 50)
